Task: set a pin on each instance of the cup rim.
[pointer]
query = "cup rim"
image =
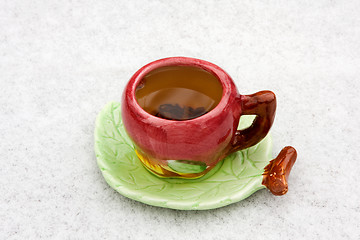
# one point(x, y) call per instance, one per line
point(220, 74)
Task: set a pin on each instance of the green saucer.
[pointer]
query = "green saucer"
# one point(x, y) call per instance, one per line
point(234, 179)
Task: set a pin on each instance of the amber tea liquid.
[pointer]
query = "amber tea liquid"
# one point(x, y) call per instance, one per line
point(178, 92)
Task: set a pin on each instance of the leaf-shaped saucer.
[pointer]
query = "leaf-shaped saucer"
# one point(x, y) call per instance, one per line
point(234, 179)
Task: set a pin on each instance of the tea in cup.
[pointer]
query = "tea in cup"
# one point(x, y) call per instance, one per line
point(182, 115)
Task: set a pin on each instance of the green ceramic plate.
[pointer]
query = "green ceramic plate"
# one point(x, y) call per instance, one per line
point(235, 178)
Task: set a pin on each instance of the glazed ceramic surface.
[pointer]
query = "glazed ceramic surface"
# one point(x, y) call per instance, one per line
point(233, 179)
point(208, 138)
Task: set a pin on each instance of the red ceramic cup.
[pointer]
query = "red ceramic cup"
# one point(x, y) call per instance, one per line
point(190, 148)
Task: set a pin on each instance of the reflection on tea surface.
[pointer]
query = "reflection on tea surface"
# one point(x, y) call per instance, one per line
point(178, 92)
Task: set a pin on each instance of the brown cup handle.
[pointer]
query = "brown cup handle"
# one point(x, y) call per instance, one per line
point(263, 105)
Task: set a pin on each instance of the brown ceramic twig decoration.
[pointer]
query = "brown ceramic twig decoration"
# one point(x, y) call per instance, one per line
point(277, 171)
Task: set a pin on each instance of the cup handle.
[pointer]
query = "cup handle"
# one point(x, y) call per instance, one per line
point(263, 105)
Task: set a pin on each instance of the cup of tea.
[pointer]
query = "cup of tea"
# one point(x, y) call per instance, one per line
point(182, 115)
